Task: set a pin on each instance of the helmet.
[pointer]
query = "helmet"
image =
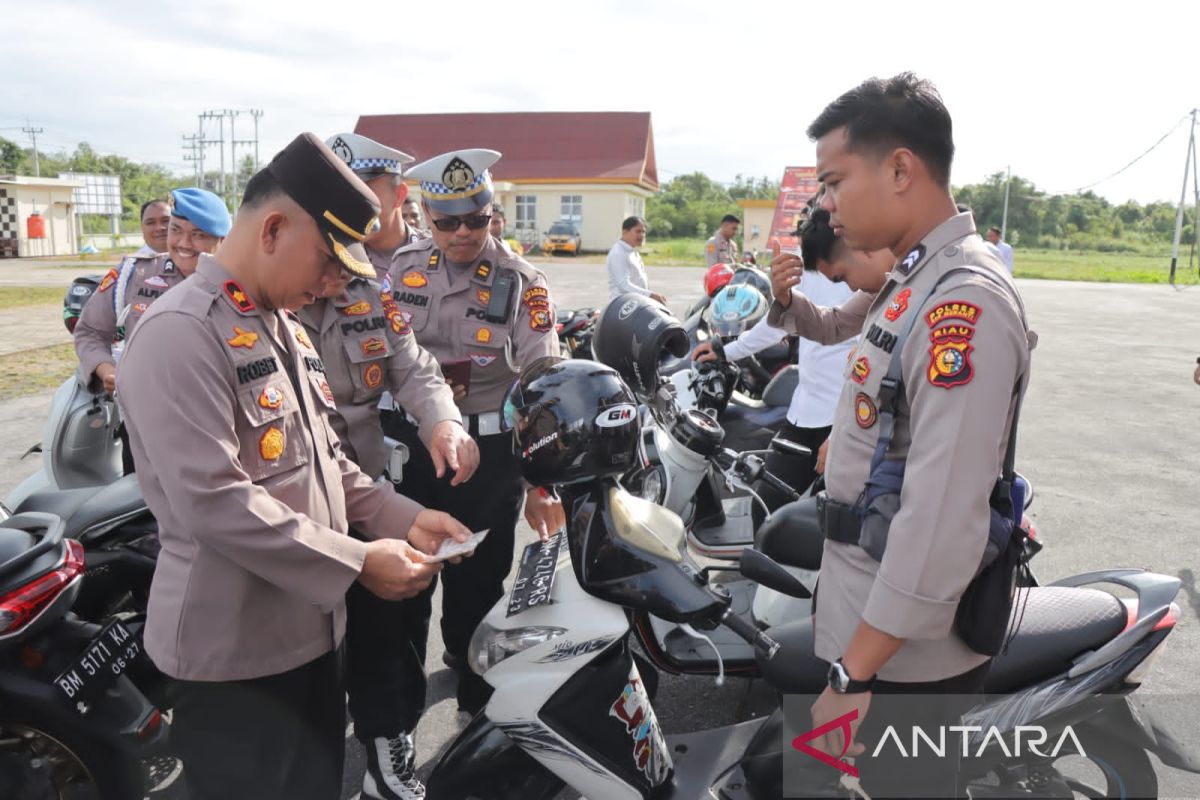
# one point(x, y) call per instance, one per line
point(572, 420)
point(716, 277)
point(736, 308)
point(634, 336)
point(79, 292)
point(753, 277)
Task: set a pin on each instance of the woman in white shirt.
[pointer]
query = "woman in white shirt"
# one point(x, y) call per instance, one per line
point(626, 272)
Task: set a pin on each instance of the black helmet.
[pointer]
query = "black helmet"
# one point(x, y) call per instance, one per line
point(634, 336)
point(78, 293)
point(572, 420)
point(754, 277)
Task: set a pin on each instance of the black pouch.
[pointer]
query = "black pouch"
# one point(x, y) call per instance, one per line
point(983, 617)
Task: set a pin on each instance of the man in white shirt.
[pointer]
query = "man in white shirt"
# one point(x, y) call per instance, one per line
point(1004, 248)
point(626, 272)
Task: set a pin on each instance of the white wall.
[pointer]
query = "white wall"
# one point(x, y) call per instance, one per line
point(604, 208)
point(53, 203)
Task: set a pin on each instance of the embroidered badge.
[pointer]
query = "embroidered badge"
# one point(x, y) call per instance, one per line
point(414, 280)
point(950, 356)
point(110, 278)
point(484, 296)
point(234, 292)
point(483, 335)
point(539, 320)
point(157, 282)
point(538, 295)
point(270, 446)
point(862, 368)
point(458, 175)
point(483, 270)
point(359, 309)
point(898, 306)
point(242, 338)
point(372, 375)
point(302, 337)
point(386, 286)
point(140, 308)
point(325, 390)
point(169, 266)
point(271, 398)
point(955, 309)
point(481, 360)
point(911, 260)
point(373, 346)
point(434, 258)
point(864, 411)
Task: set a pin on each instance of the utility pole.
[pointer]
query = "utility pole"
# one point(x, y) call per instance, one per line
point(1188, 163)
point(33, 132)
point(256, 113)
point(192, 152)
point(231, 200)
point(1004, 218)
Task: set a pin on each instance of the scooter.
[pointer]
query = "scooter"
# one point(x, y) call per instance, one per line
point(71, 721)
point(575, 331)
point(572, 707)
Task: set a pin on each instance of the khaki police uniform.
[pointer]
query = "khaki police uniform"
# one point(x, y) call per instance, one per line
point(719, 250)
point(111, 314)
point(961, 366)
point(381, 260)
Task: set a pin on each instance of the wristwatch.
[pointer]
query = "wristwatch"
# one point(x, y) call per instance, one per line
point(841, 682)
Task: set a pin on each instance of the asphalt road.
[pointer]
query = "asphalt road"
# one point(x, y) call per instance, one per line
point(1109, 437)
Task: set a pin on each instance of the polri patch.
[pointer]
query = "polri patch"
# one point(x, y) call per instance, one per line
point(910, 261)
point(242, 338)
point(898, 306)
point(865, 413)
point(238, 296)
point(950, 356)
point(955, 309)
point(271, 444)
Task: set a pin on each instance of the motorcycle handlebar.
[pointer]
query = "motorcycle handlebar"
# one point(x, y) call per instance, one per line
point(758, 639)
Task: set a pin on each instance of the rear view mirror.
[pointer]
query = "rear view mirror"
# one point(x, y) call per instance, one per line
point(759, 568)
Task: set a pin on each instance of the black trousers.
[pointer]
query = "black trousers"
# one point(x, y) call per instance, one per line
point(797, 472)
point(277, 736)
point(386, 641)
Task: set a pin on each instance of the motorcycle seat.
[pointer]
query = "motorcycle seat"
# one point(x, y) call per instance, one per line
point(792, 536)
point(1058, 625)
point(84, 508)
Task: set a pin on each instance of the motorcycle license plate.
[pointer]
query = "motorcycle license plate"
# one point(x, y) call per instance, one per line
point(535, 575)
point(101, 662)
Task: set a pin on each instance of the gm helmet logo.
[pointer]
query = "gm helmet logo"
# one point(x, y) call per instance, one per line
point(616, 416)
point(627, 309)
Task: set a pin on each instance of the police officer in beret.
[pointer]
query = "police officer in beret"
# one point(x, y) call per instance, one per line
point(484, 313)
point(199, 221)
point(370, 353)
point(229, 409)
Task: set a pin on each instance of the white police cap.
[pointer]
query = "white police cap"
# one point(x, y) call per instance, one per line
point(367, 158)
point(458, 182)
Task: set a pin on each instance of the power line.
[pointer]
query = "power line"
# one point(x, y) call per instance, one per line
point(1153, 147)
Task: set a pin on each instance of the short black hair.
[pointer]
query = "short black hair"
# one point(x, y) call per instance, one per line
point(632, 222)
point(881, 115)
point(260, 188)
point(997, 230)
point(816, 238)
point(497, 211)
point(148, 203)
point(730, 218)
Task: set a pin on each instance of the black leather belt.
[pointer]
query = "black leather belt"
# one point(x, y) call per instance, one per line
point(839, 521)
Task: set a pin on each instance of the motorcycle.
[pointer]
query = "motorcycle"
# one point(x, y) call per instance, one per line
point(572, 707)
point(575, 331)
point(72, 723)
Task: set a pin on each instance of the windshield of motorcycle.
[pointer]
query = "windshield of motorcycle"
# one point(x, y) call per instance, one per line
point(646, 526)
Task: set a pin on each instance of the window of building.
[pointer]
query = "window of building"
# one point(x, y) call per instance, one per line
point(572, 207)
point(526, 212)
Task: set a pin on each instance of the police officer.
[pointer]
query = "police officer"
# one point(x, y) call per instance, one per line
point(199, 220)
point(369, 351)
point(721, 247)
point(380, 167)
point(885, 613)
point(155, 216)
point(484, 313)
point(229, 410)
point(410, 210)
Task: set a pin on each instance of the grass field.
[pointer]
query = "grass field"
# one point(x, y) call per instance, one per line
point(1044, 264)
point(33, 370)
point(16, 296)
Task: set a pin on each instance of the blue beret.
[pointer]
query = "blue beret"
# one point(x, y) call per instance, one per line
point(203, 209)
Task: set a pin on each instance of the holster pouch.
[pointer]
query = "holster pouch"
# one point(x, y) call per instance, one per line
point(397, 458)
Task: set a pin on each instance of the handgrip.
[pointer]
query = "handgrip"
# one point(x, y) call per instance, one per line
point(757, 638)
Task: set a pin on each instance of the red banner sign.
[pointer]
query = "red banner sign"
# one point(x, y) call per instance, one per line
point(799, 184)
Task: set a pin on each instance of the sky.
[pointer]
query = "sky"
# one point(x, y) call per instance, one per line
point(1065, 94)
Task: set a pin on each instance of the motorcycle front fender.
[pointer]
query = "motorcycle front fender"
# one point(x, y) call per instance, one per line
point(485, 763)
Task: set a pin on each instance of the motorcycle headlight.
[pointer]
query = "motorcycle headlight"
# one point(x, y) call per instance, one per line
point(654, 487)
point(490, 646)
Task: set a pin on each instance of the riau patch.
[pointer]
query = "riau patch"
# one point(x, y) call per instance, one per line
point(271, 398)
point(483, 335)
point(239, 297)
point(359, 309)
point(950, 356)
point(242, 338)
point(157, 282)
point(955, 309)
point(372, 375)
point(898, 306)
point(414, 280)
point(483, 270)
point(271, 444)
point(484, 296)
point(540, 320)
point(911, 260)
point(373, 346)
point(110, 278)
point(481, 360)
point(865, 413)
point(302, 338)
point(861, 369)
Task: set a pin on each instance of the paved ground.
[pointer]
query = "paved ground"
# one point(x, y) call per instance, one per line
point(1109, 436)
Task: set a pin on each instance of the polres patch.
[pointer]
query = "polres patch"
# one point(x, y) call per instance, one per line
point(954, 309)
point(616, 416)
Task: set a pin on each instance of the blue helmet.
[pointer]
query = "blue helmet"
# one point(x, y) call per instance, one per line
point(736, 308)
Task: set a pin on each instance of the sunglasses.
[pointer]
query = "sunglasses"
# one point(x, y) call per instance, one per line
point(473, 222)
